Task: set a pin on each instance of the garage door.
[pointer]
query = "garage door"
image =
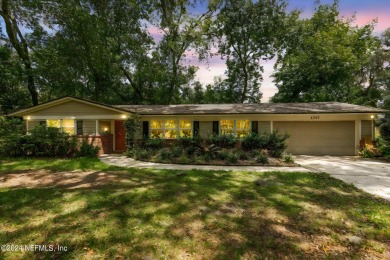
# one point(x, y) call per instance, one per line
point(319, 138)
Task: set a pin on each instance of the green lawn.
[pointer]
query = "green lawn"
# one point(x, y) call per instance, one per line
point(111, 212)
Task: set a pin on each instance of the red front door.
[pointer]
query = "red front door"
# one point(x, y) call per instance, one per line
point(120, 142)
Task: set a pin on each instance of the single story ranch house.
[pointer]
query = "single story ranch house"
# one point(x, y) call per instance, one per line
point(324, 128)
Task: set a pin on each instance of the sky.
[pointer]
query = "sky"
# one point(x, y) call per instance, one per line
point(364, 10)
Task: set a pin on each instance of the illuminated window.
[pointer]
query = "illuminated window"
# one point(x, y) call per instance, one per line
point(156, 129)
point(227, 127)
point(185, 128)
point(54, 123)
point(243, 128)
point(239, 128)
point(170, 129)
point(66, 125)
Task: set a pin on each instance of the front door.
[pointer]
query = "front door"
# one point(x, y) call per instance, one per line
point(120, 141)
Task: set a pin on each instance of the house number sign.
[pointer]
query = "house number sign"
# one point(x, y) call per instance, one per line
point(315, 117)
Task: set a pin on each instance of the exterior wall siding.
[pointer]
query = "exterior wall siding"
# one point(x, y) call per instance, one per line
point(264, 127)
point(89, 127)
point(103, 141)
point(366, 129)
point(73, 108)
point(205, 128)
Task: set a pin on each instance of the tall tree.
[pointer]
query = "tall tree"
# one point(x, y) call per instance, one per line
point(381, 69)
point(13, 91)
point(183, 31)
point(96, 42)
point(248, 33)
point(9, 11)
point(326, 59)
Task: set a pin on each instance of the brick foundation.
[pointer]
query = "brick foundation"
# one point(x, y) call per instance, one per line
point(103, 141)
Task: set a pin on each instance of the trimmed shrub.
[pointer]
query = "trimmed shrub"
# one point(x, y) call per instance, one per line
point(276, 144)
point(287, 158)
point(262, 158)
point(11, 136)
point(189, 151)
point(183, 159)
point(131, 153)
point(254, 153)
point(177, 151)
point(188, 141)
point(383, 146)
point(50, 142)
point(365, 153)
point(165, 154)
point(88, 150)
point(254, 141)
point(223, 154)
point(142, 154)
point(223, 141)
point(41, 141)
point(385, 131)
point(231, 158)
point(153, 144)
point(241, 154)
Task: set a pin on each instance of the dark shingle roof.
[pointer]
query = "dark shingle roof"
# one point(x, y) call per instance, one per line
point(263, 108)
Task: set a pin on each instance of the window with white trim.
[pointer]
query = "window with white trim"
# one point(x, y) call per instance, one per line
point(170, 129)
point(243, 128)
point(68, 126)
point(238, 128)
point(65, 125)
point(227, 127)
point(185, 128)
point(53, 123)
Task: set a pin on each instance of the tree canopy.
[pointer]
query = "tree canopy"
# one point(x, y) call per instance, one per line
point(326, 58)
point(138, 52)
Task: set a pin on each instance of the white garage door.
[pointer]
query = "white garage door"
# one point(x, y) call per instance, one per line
point(319, 138)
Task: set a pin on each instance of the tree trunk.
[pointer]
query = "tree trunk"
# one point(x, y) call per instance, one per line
point(20, 45)
point(31, 84)
point(245, 89)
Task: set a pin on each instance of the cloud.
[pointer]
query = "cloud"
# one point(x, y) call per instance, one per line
point(155, 32)
point(383, 17)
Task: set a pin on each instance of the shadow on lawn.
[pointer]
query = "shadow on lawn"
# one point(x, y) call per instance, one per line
point(157, 214)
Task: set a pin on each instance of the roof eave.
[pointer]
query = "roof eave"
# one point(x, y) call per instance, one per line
point(63, 100)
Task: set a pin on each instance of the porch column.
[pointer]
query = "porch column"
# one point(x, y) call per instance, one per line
point(113, 134)
point(358, 134)
point(97, 127)
point(271, 126)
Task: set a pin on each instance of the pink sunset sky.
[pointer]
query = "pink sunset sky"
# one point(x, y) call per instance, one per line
point(364, 11)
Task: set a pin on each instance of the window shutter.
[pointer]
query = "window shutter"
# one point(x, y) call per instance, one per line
point(196, 128)
point(255, 127)
point(145, 129)
point(216, 127)
point(79, 127)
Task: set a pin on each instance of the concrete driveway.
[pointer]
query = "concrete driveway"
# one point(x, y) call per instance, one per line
point(369, 175)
